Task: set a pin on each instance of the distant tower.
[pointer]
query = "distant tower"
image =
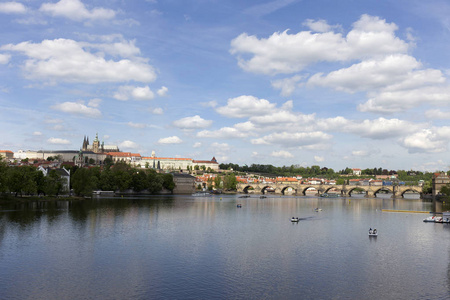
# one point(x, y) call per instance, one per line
point(96, 144)
point(85, 144)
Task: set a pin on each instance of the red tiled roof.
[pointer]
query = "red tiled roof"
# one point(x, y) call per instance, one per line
point(168, 158)
point(123, 154)
point(205, 162)
point(6, 151)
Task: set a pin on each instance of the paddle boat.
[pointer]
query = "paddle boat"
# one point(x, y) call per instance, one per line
point(317, 209)
point(373, 232)
point(295, 219)
point(430, 219)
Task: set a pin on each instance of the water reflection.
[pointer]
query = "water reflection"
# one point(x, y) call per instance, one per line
point(207, 248)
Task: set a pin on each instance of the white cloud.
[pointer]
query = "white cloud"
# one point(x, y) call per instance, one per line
point(394, 101)
point(289, 53)
point(128, 145)
point(245, 106)
point(162, 91)
point(170, 140)
point(425, 141)
point(223, 133)
point(380, 128)
point(391, 72)
point(195, 122)
point(95, 102)
point(157, 111)
point(138, 93)
point(58, 141)
point(288, 139)
point(197, 145)
point(60, 60)
point(319, 158)
point(212, 104)
point(360, 153)
point(75, 10)
point(37, 133)
point(437, 114)
point(319, 25)
point(287, 85)
point(281, 153)
point(12, 8)
point(77, 108)
point(4, 58)
point(137, 125)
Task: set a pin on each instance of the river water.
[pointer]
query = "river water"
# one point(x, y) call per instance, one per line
point(182, 247)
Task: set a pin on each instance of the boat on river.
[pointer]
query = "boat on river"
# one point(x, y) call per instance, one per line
point(373, 232)
point(331, 195)
point(201, 194)
point(430, 219)
point(295, 219)
point(317, 209)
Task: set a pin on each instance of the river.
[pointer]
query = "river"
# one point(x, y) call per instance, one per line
point(184, 247)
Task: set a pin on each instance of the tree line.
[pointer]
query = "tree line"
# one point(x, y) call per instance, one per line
point(324, 172)
point(120, 177)
point(28, 180)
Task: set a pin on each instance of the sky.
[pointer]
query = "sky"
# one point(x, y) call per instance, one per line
point(359, 84)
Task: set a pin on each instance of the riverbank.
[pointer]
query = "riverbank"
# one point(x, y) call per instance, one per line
point(23, 199)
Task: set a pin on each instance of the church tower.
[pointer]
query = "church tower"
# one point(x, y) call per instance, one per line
point(96, 144)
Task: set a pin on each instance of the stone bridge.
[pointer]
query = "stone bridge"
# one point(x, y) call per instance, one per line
point(343, 190)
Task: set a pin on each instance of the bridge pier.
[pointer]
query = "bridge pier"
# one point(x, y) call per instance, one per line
point(370, 194)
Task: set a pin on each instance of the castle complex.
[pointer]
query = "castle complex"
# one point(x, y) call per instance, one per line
point(98, 152)
point(96, 147)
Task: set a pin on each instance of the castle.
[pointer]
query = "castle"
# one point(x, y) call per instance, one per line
point(98, 147)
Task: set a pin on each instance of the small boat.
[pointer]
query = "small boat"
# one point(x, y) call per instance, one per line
point(373, 232)
point(331, 195)
point(239, 205)
point(262, 197)
point(201, 194)
point(430, 219)
point(295, 219)
point(317, 209)
point(244, 196)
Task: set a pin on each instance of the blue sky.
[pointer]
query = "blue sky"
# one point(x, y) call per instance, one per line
point(357, 84)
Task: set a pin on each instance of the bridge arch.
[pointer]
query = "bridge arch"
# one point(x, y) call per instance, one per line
point(305, 188)
point(265, 189)
point(331, 188)
point(247, 188)
point(409, 189)
point(289, 189)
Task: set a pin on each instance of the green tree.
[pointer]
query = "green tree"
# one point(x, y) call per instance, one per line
point(139, 181)
point(54, 183)
point(21, 180)
point(230, 182)
point(210, 183)
point(3, 176)
point(41, 183)
point(168, 182)
point(445, 190)
point(108, 161)
point(106, 181)
point(84, 182)
point(217, 182)
point(155, 182)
